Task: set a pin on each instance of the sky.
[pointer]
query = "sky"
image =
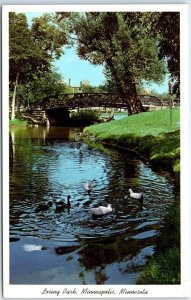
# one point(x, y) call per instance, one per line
point(75, 69)
point(70, 66)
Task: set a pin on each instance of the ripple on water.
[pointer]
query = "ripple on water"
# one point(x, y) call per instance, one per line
point(145, 235)
point(58, 168)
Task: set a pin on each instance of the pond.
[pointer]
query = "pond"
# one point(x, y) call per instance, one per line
point(72, 247)
point(117, 115)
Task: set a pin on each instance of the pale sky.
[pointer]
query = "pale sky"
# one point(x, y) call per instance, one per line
point(70, 66)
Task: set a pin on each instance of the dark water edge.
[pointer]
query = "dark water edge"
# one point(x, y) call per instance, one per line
point(53, 263)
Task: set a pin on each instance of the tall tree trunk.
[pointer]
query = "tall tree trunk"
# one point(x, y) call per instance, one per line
point(128, 93)
point(11, 153)
point(14, 98)
point(131, 96)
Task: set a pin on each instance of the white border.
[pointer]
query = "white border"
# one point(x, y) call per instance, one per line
point(35, 291)
point(95, 7)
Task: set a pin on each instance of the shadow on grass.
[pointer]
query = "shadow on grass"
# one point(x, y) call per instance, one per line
point(163, 151)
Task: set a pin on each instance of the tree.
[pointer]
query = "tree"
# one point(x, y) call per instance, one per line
point(24, 56)
point(167, 27)
point(87, 88)
point(49, 85)
point(48, 36)
point(32, 50)
point(120, 42)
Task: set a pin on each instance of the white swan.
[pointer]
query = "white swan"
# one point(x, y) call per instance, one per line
point(88, 187)
point(101, 210)
point(31, 247)
point(138, 196)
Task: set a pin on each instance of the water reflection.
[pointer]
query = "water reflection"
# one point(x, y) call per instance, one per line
point(51, 163)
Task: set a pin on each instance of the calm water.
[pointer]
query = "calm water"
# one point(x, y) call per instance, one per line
point(71, 247)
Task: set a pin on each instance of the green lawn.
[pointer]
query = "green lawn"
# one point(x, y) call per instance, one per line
point(148, 123)
point(149, 133)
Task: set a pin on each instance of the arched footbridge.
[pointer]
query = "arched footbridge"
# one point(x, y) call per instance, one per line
point(52, 111)
point(83, 100)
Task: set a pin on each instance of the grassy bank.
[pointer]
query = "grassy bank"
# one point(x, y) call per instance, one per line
point(18, 123)
point(149, 133)
point(164, 266)
point(153, 135)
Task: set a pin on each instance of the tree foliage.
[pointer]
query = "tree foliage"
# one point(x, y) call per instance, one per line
point(120, 42)
point(88, 88)
point(134, 47)
point(32, 51)
point(49, 85)
point(167, 26)
point(25, 57)
point(48, 36)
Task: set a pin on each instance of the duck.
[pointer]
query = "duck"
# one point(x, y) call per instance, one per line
point(60, 205)
point(44, 207)
point(32, 247)
point(138, 196)
point(101, 210)
point(88, 187)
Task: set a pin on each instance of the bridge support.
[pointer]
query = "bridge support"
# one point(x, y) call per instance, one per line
point(58, 116)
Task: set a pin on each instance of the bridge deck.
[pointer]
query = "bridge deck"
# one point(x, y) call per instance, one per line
point(82, 100)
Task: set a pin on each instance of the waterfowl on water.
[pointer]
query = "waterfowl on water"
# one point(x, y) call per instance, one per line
point(60, 205)
point(88, 187)
point(43, 207)
point(101, 210)
point(31, 247)
point(138, 196)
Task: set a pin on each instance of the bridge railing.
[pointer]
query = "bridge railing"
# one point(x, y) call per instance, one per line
point(82, 100)
point(150, 100)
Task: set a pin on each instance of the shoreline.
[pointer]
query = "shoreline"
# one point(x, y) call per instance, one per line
point(147, 148)
point(168, 246)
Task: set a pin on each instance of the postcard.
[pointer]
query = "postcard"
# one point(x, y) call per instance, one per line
point(95, 110)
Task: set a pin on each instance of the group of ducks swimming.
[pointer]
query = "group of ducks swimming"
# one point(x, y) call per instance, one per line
point(97, 211)
point(59, 205)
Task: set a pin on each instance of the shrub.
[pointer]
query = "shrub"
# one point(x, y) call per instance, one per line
point(85, 115)
point(18, 122)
